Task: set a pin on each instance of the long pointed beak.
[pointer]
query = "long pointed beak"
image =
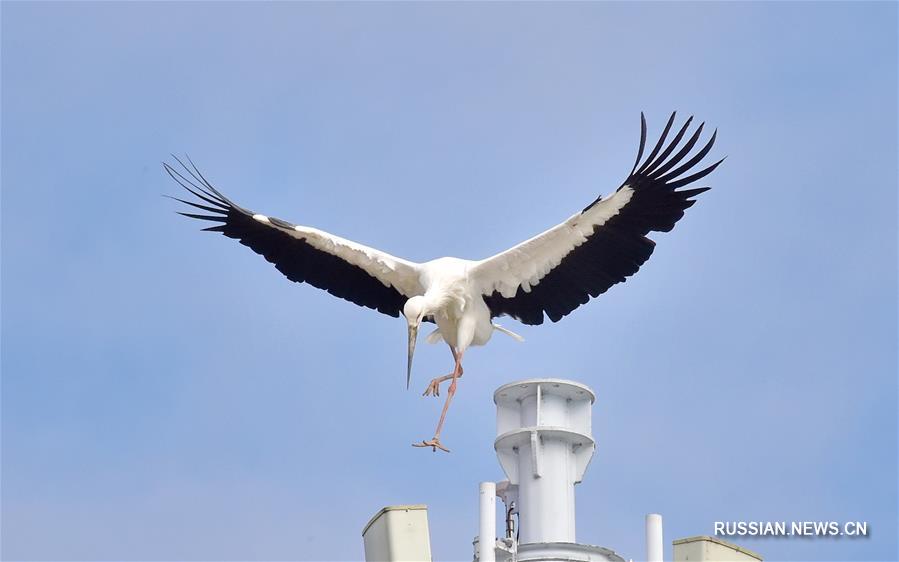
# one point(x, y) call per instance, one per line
point(413, 334)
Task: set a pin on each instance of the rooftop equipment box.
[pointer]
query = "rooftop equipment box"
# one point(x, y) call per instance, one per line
point(710, 549)
point(398, 533)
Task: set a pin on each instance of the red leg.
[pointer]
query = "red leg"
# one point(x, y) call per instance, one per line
point(434, 443)
point(434, 387)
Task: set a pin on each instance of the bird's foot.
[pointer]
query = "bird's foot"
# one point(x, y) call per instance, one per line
point(434, 387)
point(434, 444)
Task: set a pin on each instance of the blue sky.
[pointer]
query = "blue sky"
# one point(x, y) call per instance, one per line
point(166, 394)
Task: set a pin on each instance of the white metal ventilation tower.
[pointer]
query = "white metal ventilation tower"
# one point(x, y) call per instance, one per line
point(544, 442)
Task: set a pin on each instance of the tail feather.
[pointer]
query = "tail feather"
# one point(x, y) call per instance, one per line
point(509, 333)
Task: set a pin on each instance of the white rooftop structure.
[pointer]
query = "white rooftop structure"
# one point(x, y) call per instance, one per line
point(398, 533)
point(544, 442)
point(710, 549)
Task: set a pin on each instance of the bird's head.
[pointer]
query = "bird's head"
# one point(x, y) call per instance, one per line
point(414, 310)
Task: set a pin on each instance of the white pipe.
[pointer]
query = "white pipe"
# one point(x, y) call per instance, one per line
point(487, 527)
point(654, 542)
point(546, 490)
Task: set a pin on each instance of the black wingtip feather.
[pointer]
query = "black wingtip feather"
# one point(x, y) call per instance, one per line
point(197, 205)
point(674, 160)
point(698, 175)
point(172, 171)
point(214, 218)
point(692, 162)
point(659, 144)
point(656, 170)
point(648, 170)
point(184, 182)
point(688, 193)
point(188, 170)
point(642, 142)
point(202, 179)
point(209, 200)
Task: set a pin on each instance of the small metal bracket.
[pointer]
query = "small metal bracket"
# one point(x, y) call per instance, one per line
point(536, 454)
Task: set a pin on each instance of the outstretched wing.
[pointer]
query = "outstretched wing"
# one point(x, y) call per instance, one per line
point(559, 270)
point(351, 271)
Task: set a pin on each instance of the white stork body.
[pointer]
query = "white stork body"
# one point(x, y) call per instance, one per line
point(550, 274)
point(462, 319)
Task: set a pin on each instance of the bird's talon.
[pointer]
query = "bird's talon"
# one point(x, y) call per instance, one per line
point(433, 388)
point(434, 444)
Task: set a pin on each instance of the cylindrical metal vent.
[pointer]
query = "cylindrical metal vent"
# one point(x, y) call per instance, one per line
point(544, 443)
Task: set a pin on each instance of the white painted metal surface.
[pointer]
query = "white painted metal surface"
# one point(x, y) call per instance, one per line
point(544, 444)
point(487, 534)
point(565, 551)
point(398, 533)
point(655, 549)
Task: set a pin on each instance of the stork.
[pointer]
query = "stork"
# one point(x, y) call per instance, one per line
point(550, 274)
